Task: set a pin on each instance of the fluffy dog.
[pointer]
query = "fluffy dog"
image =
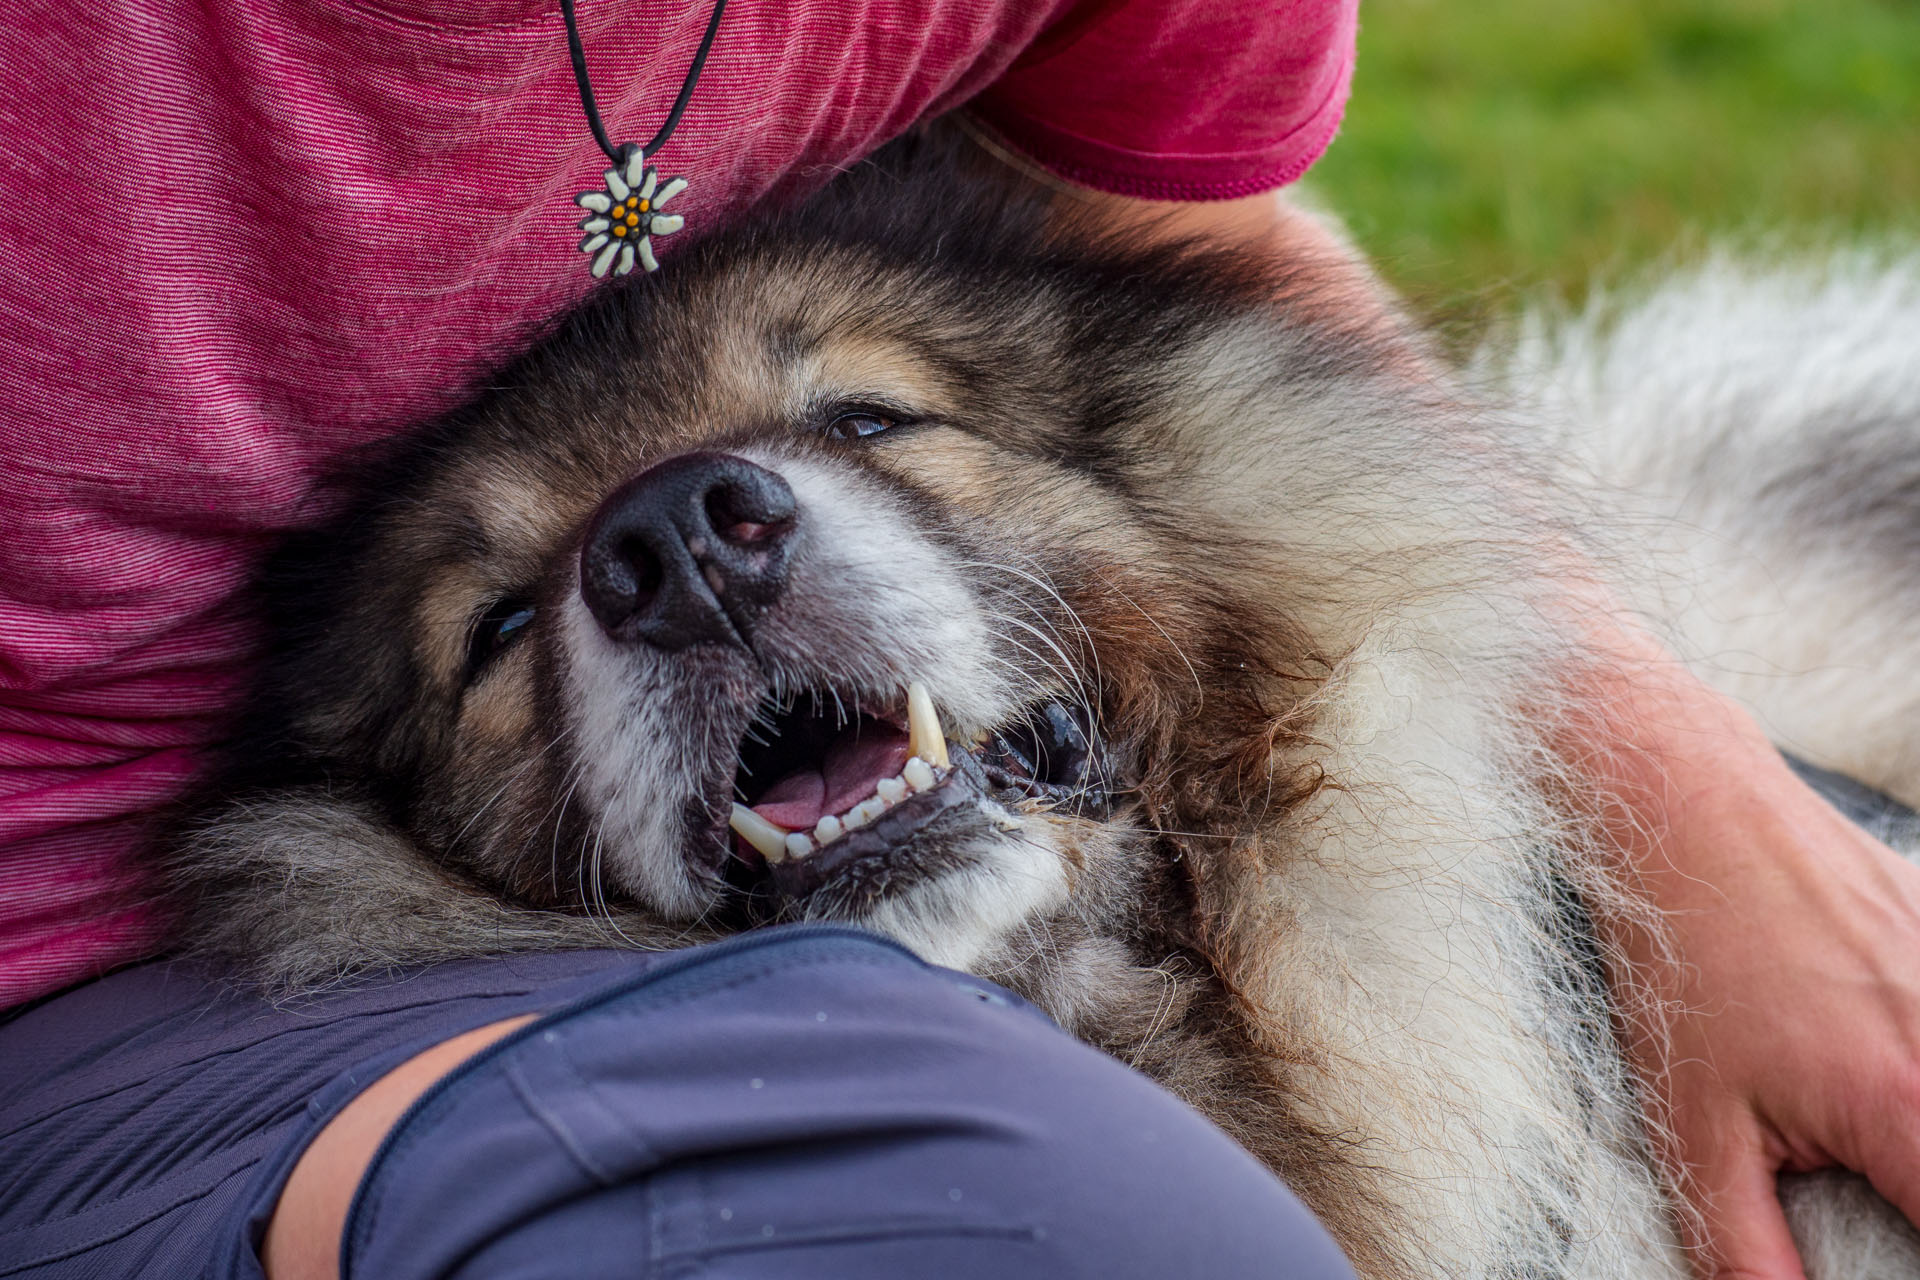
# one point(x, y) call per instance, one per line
point(1130, 625)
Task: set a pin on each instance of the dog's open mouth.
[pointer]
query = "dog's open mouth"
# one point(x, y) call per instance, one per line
point(826, 791)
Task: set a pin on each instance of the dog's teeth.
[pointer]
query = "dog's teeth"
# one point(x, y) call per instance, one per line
point(924, 736)
point(770, 840)
point(864, 812)
point(918, 773)
point(891, 791)
point(798, 846)
point(827, 830)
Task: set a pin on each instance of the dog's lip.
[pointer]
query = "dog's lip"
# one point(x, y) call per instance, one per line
point(964, 784)
point(976, 776)
point(718, 856)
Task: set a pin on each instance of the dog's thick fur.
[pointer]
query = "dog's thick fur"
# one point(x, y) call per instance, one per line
point(1327, 879)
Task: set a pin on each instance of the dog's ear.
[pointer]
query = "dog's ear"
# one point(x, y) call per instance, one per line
point(301, 889)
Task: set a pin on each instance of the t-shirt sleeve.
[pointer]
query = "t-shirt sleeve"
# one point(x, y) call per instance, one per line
point(1179, 99)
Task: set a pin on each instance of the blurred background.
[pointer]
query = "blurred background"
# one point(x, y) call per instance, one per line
point(1495, 149)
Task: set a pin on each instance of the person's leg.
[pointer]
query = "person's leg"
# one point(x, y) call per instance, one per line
point(303, 1237)
point(146, 1115)
point(795, 1102)
point(812, 1104)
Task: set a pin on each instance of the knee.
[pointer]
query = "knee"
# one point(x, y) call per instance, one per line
point(827, 1107)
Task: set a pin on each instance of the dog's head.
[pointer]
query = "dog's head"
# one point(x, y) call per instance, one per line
point(900, 561)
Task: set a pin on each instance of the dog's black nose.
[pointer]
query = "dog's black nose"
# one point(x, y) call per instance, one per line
point(690, 551)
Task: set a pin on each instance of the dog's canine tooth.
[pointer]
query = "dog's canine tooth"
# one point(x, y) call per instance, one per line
point(827, 830)
point(924, 736)
point(918, 773)
point(769, 839)
point(798, 845)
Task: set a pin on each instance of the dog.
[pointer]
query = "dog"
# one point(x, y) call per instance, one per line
point(1127, 623)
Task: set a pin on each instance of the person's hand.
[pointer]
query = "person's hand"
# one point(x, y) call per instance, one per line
point(1795, 1044)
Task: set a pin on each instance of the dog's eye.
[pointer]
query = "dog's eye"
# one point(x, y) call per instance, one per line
point(498, 627)
point(853, 424)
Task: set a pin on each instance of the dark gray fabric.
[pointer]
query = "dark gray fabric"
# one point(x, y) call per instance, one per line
point(798, 1102)
point(1878, 813)
point(816, 1106)
point(139, 1112)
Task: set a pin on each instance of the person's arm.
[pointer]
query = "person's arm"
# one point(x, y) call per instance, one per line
point(1795, 1041)
point(1795, 1038)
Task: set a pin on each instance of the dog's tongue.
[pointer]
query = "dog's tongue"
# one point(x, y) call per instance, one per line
point(863, 754)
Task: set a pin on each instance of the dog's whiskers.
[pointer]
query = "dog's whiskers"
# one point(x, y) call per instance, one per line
point(501, 790)
point(1038, 577)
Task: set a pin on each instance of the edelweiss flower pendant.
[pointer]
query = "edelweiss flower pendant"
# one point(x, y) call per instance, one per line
point(623, 218)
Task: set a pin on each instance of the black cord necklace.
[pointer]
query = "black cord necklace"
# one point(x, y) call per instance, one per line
point(624, 216)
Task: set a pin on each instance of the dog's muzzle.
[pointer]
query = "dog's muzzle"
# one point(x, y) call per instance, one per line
point(859, 790)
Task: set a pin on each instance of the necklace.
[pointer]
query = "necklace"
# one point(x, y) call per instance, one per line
point(624, 215)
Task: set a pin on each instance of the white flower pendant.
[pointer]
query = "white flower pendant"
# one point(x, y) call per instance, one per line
point(623, 218)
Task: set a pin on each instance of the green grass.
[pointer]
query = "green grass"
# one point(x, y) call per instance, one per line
point(1495, 147)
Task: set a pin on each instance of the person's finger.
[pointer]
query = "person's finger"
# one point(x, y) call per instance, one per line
point(1745, 1231)
point(1890, 1156)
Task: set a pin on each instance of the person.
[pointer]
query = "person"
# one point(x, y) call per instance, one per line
point(243, 240)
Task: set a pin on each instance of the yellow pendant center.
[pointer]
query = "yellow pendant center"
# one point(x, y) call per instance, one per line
point(626, 216)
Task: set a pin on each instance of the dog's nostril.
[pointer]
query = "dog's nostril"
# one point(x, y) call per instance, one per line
point(647, 574)
point(745, 517)
point(744, 533)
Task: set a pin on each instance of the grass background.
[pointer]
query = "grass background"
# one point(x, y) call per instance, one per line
point(1495, 148)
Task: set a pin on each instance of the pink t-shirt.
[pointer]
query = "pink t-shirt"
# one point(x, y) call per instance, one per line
point(238, 238)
